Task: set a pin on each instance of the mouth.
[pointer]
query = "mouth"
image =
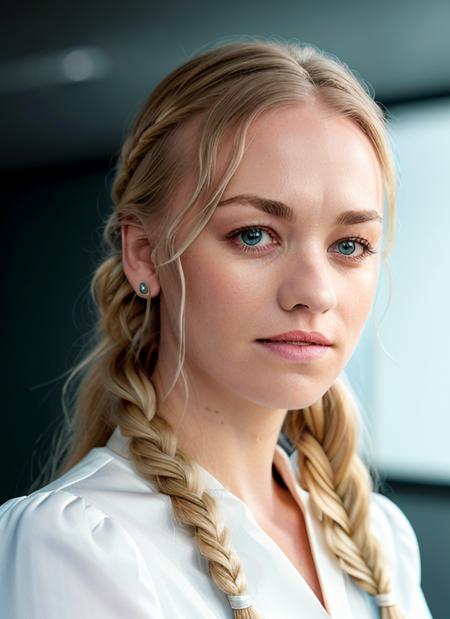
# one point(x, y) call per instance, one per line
point(298, 337)
point(294, 351)
point(290, 342)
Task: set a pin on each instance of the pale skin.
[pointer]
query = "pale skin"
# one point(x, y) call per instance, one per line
point(321, 165)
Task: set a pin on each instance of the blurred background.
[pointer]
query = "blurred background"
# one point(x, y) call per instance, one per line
point(72, 77)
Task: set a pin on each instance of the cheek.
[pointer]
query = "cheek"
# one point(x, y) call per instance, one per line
point(355, 301)
point(209, 293)
point(221, 294)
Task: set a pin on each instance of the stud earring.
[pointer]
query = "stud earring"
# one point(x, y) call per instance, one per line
point(143, 288)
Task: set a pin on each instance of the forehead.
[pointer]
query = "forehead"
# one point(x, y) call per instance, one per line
point(305, 154)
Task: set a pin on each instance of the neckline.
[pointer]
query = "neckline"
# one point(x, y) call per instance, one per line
point(284, 464)
point(287, 467)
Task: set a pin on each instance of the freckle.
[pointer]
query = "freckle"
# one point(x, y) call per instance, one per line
point(222, 422)
point(211, 410)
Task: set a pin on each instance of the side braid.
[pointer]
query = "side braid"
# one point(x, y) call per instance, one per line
point(171, 471)
point(325, 435)
point(153, 449)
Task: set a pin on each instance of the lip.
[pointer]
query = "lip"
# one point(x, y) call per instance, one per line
point(309, 337)
point(299, 353)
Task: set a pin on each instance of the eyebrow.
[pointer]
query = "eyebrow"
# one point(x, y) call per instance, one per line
point(281, 210)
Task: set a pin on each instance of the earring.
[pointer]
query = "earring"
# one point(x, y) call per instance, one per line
point(143, 288)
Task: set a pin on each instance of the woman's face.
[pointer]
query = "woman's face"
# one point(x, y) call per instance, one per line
point(251, 275)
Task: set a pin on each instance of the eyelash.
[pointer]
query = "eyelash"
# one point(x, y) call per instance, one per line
point(368, 247)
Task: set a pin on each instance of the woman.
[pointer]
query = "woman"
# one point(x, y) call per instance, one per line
point(212, 467)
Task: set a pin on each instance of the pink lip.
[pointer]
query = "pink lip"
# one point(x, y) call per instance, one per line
point(311, 337)
point(296, 352)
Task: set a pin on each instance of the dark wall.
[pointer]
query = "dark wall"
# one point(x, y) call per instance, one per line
point(428, 509)
point(53, 221)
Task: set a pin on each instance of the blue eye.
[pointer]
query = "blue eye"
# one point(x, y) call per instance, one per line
point(251, 237)
point(350, 246)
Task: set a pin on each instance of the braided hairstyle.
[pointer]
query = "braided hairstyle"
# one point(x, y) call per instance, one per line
point(221, 91)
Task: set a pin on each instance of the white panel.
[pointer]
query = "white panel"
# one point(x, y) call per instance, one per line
point(411, 377)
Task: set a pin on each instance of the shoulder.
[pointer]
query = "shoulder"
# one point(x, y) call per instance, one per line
point(33, 520)
point(395, 531)
point(60, 507)
point(55, 507)
point(399, 542)
point(62, 556)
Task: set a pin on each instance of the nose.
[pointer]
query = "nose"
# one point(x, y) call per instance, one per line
point(308, 282)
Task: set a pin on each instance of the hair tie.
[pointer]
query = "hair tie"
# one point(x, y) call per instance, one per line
point(385, 599)
point(238, 602)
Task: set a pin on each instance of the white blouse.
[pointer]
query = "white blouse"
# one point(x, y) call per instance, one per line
point(100, 542)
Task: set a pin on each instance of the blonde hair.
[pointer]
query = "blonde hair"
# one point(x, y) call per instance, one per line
point(223, 90)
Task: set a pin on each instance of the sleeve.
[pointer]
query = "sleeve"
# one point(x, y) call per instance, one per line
point(399, 540)
point(63, 558)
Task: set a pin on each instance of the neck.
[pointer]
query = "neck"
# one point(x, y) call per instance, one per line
point(233, 441)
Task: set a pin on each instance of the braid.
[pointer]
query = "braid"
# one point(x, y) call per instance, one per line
point(157, 459)
point(149, 140)
point(152, 446)
point(339, 486)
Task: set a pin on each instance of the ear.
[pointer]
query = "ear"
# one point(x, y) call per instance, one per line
point(136, 249)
